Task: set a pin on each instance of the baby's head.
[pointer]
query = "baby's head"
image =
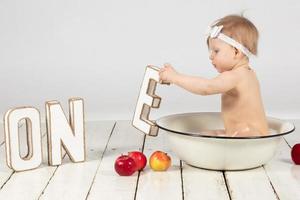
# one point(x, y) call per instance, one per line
point(231, 41)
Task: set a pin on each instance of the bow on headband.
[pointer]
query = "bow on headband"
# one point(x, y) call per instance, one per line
point(215, 32)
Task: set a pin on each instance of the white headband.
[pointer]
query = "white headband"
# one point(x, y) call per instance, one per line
point(215, 32)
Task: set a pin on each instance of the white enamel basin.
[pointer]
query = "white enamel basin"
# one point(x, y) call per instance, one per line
point(219, 152)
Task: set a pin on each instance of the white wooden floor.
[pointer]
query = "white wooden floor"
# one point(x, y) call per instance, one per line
point(96, 178)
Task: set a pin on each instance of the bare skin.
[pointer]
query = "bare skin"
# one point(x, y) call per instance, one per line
point(242, 108)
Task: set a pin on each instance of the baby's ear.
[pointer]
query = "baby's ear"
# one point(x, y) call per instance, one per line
point(238, 53)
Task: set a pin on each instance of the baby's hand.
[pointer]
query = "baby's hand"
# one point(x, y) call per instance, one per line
point(167, 74)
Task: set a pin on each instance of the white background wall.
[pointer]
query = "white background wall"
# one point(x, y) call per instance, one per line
point(98, 50)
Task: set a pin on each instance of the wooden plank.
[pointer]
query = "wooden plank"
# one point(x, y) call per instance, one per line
point(30, 184)
point(5, 171)
point(19, 183)
point(294, 137)
point(160, 185)
point(107, 183)
point(283, 173)
point(203, 184)
point(249, 184)
point(72, 181)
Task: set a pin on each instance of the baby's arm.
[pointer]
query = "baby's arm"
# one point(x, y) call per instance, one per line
point(220, 84)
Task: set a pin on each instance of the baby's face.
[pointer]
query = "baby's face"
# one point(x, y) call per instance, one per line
point(222, 55)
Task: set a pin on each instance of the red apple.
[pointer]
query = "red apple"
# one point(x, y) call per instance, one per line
point(296, 154)
point(160, 161)
point(139, 159)
point(125, 166)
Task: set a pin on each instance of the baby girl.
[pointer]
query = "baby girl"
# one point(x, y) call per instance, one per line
point(232, 40)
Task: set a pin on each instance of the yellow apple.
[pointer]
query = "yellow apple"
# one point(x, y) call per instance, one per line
point(159, 161)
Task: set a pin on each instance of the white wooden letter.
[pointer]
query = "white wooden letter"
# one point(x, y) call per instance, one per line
point(61, 133)
point(33, 159)
point(147, 100)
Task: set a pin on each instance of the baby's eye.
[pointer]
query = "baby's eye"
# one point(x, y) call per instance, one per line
point(216, 50)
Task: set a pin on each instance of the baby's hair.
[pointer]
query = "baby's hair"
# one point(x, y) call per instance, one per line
point(240, 29)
